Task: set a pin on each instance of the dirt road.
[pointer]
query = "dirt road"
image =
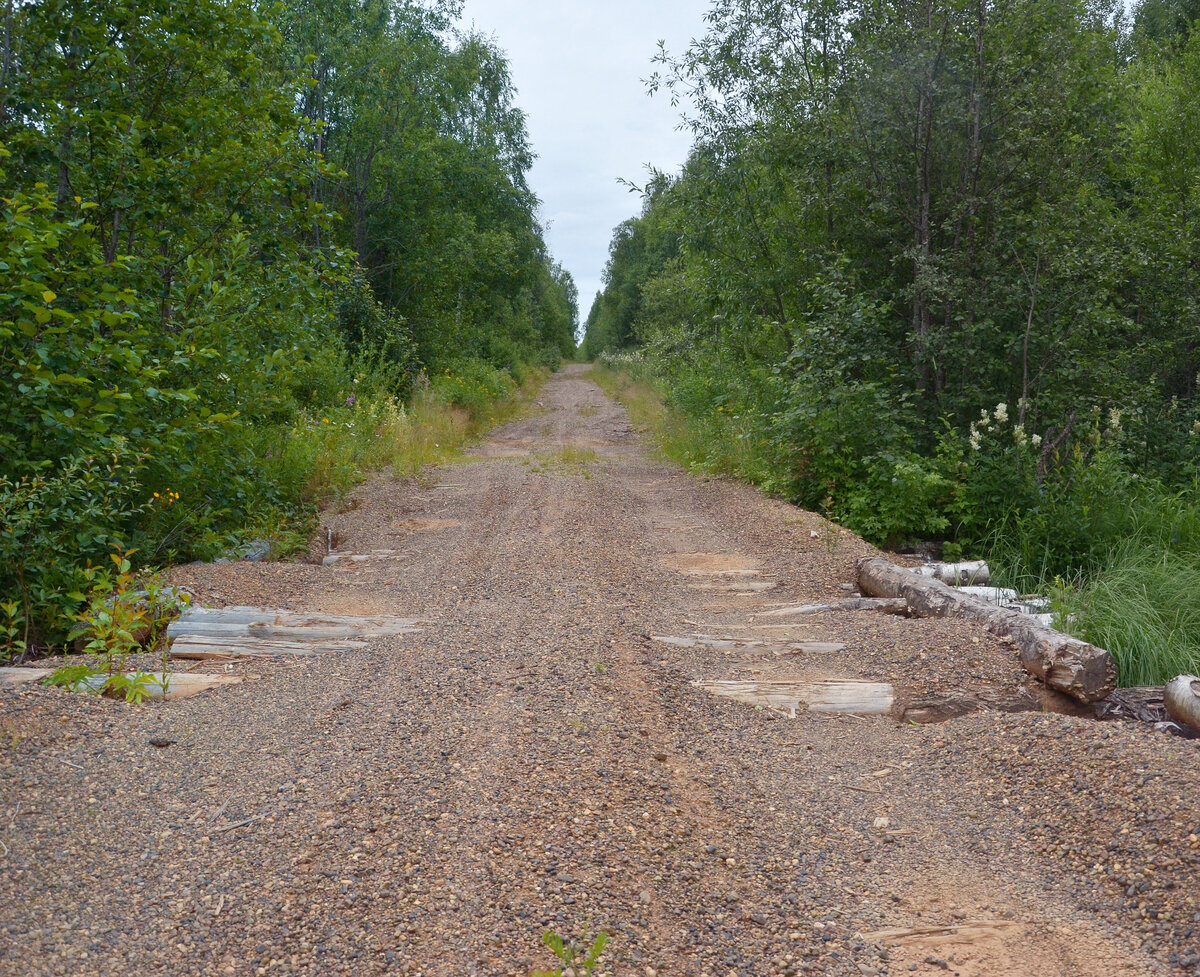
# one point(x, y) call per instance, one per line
point(532, 759)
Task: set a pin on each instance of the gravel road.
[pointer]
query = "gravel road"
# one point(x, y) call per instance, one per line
point(532, 759)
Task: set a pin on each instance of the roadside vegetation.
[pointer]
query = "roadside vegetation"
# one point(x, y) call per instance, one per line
point(930, 270)
point(934, 276)
point(246, 255)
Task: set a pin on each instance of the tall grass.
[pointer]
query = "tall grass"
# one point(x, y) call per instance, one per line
point(1135, 592)
point(322, 456)
point(1145, 609)
point(725, 443)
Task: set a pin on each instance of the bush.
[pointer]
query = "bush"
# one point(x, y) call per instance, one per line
point(472, 385)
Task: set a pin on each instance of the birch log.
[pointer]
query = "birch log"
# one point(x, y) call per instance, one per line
point(976, 572)
point(1080, 670)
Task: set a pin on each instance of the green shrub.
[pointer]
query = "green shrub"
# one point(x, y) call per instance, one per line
point(898, 499)
point(472, 385)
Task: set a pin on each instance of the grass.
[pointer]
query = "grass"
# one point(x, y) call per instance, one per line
point(324, 456)
point(1140, 599)
point(724, 443)
point(569, 458)
point(646, 408)
point(1144, 607)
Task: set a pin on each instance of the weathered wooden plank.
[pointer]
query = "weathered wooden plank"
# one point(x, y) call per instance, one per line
point(741, 587)
point(242, 647)
point(333, 558)
point(21, 676)
point(233, 632)
point(380, 624)
point(180, 685)
point(828, 695)
point(884, 606)
point(311, 633)
point(751, 644)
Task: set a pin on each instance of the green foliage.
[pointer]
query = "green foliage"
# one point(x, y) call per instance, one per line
point(1144, 607)
point(116, 622)
point(933, 267)
point(472, 385)
point(220, 231)
point(14, 634)
point(578, 959)
point(899, 500)
point(51, 523)
point(430, 157)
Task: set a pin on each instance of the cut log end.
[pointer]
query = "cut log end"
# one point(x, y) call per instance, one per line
point(1181, 698)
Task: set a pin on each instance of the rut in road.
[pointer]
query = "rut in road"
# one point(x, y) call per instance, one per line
point(531, 759)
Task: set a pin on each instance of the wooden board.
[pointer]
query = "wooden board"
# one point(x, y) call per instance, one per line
point(333, 558)
point(180, 685)
point(240, 632)
point(742, 587)
point(751, 644)
point(829, 695)
point(883, 605)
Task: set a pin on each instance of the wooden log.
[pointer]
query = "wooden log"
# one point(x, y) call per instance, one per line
point(1182, 700)
point(1080, 670)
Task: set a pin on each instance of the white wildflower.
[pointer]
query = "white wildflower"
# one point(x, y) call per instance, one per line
point(975, 438)
point(1035, 440)
point(1114, 418)
point(1019, 433)
point(1001, 412)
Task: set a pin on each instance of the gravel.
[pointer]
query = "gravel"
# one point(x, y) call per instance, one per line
point(532, 760)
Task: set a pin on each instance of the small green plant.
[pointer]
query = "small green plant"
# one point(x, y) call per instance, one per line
point(116, 621)
point(577, 958)
point(13, 631)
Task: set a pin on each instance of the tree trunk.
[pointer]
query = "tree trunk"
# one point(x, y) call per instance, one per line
point(1080, 670)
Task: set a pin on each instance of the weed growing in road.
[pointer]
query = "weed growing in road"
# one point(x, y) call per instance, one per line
point(569, 459)
point(577, 959)
point(117, 620)
point(322, 457)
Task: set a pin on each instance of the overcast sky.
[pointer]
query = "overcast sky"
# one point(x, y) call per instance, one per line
point(579, 69)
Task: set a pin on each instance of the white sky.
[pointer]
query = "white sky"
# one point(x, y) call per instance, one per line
point(578, 68)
